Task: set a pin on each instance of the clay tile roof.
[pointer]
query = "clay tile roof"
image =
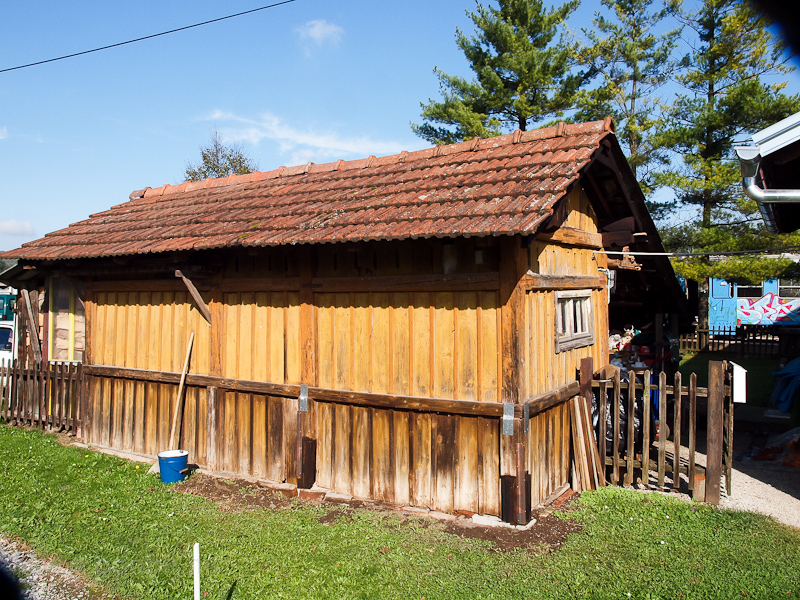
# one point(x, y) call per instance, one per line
point(502, 185)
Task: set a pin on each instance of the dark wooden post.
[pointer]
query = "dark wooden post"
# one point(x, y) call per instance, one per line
point(513, 264)
point(214, 410)
point(659, 338)
point(306, 459)
point(716, 396)
point(83, 425)
point(211, 428)
point(587, 373)
point(728, 412)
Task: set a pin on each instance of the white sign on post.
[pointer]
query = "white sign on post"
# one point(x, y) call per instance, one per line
point(739, 383)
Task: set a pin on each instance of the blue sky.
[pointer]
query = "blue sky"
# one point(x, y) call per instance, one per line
point(308, 81)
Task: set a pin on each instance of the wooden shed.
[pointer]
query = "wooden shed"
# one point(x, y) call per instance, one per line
point(406, 328)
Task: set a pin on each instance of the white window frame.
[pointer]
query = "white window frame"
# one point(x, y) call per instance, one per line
point(574, 320)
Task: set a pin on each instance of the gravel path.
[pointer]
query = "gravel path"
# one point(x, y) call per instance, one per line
point(763, 486)
point(42, 579)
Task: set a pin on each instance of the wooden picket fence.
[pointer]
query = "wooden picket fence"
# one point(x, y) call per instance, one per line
point(647, 456)
point(750, 340)
point(46, 394)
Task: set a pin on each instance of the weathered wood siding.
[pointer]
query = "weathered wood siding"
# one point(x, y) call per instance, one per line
point(548, 438)
point(261, 343)
point(545, 369)
point(441, 345)
point(428, 344)
point(547, 445)
point(352, 318)
point(145, 330)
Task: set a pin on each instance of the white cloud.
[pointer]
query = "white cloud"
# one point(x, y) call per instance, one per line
point(320, 32)
point(301, 145)
point(3, 133)
point(14, 227)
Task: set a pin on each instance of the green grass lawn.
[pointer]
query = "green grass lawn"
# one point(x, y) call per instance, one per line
point(108, 518)
point(760, 381)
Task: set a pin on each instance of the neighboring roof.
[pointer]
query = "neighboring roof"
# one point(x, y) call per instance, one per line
point(503, 185)
point(771, 173)
point(779, 135)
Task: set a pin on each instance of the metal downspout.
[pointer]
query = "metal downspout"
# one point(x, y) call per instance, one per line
point(749, 160)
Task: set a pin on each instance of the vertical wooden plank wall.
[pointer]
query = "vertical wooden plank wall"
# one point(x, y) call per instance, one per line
point(548, 437)
point(146, 330)
point(259, 433)
point(440, 344)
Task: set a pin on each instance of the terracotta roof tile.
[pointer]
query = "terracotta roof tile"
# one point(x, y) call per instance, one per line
point(497, 186)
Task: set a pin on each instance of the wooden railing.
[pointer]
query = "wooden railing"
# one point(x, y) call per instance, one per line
point(645, 454)
point(444, 454)
point(42, 395)
point(751, 340)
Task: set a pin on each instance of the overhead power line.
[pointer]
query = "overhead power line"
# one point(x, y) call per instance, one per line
point(147, 37)
point(726, 253)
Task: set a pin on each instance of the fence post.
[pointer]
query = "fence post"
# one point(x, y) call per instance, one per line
point(728, 437)
point(81, 417)
point(714, 435)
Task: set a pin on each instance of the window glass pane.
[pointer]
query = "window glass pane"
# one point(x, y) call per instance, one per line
point(573, 320)
point(577, 311)
point(584, 310)
point(5, 336)
point(559, 318)
point(789, 288)
point(563, 317)
point(749, 291)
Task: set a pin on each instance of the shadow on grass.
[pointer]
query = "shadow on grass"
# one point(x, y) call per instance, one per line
point(231, 590)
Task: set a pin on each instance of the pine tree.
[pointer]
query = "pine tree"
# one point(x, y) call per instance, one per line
point(728, 95)
point(218, 160)
point(628, 63)
point(523, 74)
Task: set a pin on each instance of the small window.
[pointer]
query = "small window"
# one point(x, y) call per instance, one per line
point(5, 338)
point(789, 288)
point(749, 291)
point(573, 320)
point(721, 289)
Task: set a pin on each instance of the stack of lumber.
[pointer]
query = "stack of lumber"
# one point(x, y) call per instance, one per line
point(588, 470)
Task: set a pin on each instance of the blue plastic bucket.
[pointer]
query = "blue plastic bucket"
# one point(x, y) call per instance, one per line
point(172, 465)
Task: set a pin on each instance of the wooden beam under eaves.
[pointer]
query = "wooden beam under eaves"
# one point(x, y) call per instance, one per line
point(535, 281)
point(569, 236)
point(627, 262)
point(198, 299)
